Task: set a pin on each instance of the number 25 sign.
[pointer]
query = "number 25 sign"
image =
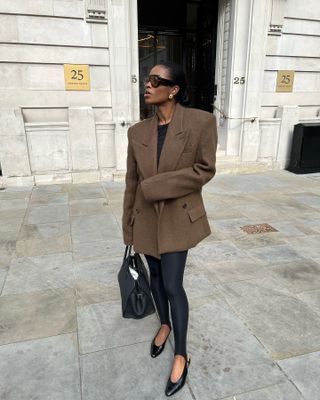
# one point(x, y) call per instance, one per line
point(285, 81)
point(76, 77)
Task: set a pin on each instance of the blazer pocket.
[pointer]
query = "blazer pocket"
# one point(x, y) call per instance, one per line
point(196, 212)
point(143, 145)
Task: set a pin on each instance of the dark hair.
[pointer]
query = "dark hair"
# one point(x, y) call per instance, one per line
point(178, 76)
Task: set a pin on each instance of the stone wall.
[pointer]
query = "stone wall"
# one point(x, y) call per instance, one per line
point(264, 37)
point(293, 43)
point(49, 134)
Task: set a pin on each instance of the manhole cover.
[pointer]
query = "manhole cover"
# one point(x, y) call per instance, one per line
point(258, 228)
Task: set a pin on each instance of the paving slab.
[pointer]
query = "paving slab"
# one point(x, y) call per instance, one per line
point(13, 208)
point(45, 368)
point(231, 225)
point(297, 276)
point(38, 247)
point(92, 228)
point(312, 221)
point(281, 321)
point(220, 211)
point(11, 224)
point(312, 298)
point(48, 198)
point(96, 281)
point(260, 210)
point(216, 234)
point(13, 204)
point(46, 231)
point(47, 213)
point(307, 246)
point(101, 249)
point(10, 235)
point(41, 239)
point(228, 198)
point(282, 391)
point(245, 184)
point(85, 191)
point(254, 315)
point(289, 206)
point(128, 372)
point(219, 187)
point(89, 207)
point(275, 254)
point(244, 240)
point(3, 275)
point(38, 314)
point(304, 372)
point(12, 214)
point(291, 228)
point(17, 192)
point(97, 324)
point(219, 251)
point(91, 292)
point(242, 268)
point(30, 274)
point(198, 282)
point(309, 199)
point(7, 250)
point(226, 357)
point(49, 189)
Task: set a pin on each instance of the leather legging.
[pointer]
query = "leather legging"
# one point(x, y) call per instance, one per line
point(166, 283)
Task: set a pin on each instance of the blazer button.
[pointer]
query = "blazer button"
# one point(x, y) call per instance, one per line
point(184, 205)
point(137, 211)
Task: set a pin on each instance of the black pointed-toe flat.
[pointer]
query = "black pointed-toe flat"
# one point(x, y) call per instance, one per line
point(155, 350)
point(174, 387)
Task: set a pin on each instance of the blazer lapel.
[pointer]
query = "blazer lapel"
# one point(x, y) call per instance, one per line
point(146, 147)
point(174, 142)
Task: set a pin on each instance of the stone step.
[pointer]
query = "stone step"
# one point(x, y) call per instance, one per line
point(225, 165)
point(233, 165)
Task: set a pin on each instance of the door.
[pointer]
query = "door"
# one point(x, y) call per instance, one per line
point(185, 35)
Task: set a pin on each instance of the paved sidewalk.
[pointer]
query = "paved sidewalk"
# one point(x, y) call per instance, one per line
point(254, 299)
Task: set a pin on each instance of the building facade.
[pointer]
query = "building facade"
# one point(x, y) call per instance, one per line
point(71, 73)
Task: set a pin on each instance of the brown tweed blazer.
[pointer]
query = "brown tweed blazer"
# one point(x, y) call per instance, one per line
point(163, 209)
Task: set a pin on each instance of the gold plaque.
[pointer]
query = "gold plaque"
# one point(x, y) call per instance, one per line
point(76, 77)
point(285, 81)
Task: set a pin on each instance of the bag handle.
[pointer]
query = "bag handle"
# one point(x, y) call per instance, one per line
point(127, 252)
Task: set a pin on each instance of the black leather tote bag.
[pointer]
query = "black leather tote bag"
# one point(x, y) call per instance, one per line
point(134, 286)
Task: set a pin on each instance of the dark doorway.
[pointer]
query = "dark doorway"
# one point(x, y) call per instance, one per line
point(184, 32)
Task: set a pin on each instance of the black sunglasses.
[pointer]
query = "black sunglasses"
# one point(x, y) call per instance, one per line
point(156, 81)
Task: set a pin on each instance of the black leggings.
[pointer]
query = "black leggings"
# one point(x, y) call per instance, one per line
point(166, 283)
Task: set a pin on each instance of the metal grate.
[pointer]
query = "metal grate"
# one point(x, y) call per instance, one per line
point(258, 228)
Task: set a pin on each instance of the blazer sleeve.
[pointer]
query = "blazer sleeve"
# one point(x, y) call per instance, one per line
point(131, 182)
point(174, 184)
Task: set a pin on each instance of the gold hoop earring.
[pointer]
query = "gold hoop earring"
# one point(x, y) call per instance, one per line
point(170, 96)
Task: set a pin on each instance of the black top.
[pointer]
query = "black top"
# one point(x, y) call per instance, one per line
point(162, 130)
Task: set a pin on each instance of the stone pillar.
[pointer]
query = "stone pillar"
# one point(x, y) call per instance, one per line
point(250, 20)
point(123, 29)
point(289, 117)
point(14, 157)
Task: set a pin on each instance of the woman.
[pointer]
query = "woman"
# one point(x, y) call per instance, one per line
point(170, 157)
